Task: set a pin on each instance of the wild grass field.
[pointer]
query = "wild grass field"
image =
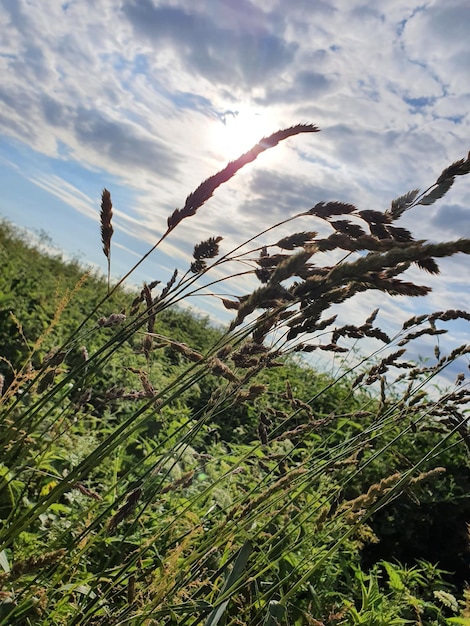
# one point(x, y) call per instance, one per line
point(158, 470)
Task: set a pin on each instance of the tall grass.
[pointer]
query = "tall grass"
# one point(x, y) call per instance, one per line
point(123, 504)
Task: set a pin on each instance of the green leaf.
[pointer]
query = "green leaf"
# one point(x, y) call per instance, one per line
point(56, 507)
point(395, 580)
point(237, 570)
point(82, 589)
point(4, 561)
point(276, 611)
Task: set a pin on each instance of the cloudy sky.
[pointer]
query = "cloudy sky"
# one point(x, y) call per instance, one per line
point(149, 97)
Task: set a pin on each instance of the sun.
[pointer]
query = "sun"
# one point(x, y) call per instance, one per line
point(240, 129)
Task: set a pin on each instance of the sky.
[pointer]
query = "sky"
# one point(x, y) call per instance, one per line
point(147, 98)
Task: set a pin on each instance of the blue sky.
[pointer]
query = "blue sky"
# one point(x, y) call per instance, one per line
point(149, 97)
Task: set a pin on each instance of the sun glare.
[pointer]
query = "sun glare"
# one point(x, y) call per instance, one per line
point(240, 129)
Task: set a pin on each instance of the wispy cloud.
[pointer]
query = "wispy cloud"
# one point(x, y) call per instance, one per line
point(68, 194)
point(157, 94)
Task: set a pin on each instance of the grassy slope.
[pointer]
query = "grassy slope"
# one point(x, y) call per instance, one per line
point(31, 288)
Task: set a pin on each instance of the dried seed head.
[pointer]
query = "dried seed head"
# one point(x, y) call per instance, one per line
point(249, 349)
point(47, 380)
point(198, 266)
point(143, 296)
point(263, 433)
point(230, 304)
point(460, 378)
point(459, 168)
point(184, 481)
point(186, 351)
point(87, 492)
point(297, 240)
point(224, 351)
point(263, 274)
point(401, 204)
point(348, 228)
point(206, 189)
point(168, 286)
point(324, 210)
point(372, 316)
point(147, 385)
point(291, 266)
point(33, 563)
point(207, 249)
point(373, 493)
point(333, 347)
point(84, 398)
point(147, 344)
point(113, 320)
point(253, 392)
point(53, 357)
point(451, 314)
point(266, 420)
point(106, 215)
point(429, 265)
point(414, 321)
point(125, 510)
point(400, 234)
point(419, 333)
point(220, 369)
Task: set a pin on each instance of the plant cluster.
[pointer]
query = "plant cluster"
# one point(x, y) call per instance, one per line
point(157, 470)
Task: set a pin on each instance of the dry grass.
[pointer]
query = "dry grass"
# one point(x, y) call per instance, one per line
point(283, 491)
point(107, 229)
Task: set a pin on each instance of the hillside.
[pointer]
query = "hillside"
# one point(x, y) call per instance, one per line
point(157, 470)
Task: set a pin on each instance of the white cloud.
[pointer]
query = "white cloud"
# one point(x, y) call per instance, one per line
point(141, 90)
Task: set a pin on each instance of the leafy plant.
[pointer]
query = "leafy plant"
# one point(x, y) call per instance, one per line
point(160, 471)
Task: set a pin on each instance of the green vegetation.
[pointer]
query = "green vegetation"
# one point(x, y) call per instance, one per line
point(156, 470)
